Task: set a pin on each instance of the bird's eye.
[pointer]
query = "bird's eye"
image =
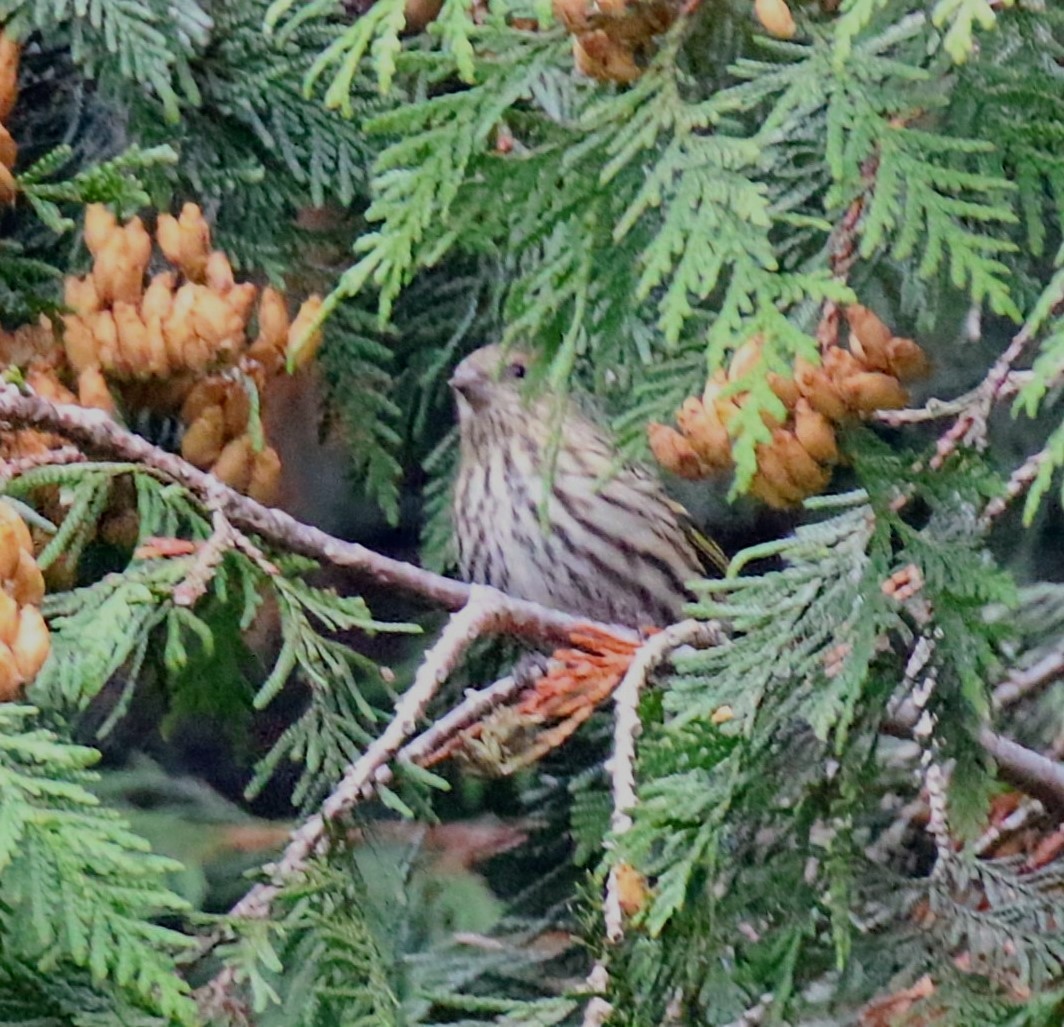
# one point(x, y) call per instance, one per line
point(517, 369)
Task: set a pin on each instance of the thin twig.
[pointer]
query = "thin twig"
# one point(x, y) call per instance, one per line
point(935, 409)
point(1026, 770)
point(480, 615)
point(15, 466)
point(598, 1009)
point(1019, 482)
point(843, 252)
point(1022, 683)
point(625, 730)
point(970, 428)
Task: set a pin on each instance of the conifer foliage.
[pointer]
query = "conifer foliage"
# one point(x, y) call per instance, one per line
point(808, 254)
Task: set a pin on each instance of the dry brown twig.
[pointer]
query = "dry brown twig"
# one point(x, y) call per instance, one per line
point(209, 555)
point(844, 252)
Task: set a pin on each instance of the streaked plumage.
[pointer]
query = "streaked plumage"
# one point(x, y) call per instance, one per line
point(617, 550)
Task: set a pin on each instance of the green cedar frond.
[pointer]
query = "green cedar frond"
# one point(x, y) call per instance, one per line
point(149, 41)
point(355, 365)
point(78, 886)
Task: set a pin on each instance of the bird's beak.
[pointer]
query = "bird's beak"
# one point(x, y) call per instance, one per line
point(471, 385)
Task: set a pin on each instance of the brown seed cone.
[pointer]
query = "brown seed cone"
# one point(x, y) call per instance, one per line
point(419, 14)
point(9, 550)
point(105, 338)
point(207, 392)
point(237, 409)
point(265, 484)
point(605, 59)
point(706, 434)
point(573, 14)
point(215, 323)
point(9, 58)
point(204, 438)
point(906, 360)
point(307, 347)
point(32, 642)
point(815, 432)
point(745, 358)
point(776, 18)
point(117, 272)
point(768, 494)
point(802, 469)
point(872, 390)
point(134, 356)
point(218, 272)
point(839, 363)
point(80, 295)
point(240, 299)
point(158, 360)
point(16, 528)
point(869, 337)
point(27, 583)
point(8, 186)
point(786, 389)
point(93, 391)
point(273, 320)
point(234, 464)
point(120, 528)
point(158, 298)
point(138, 248)
point(177, 326)
point(772, 466)
point(10, 678)
point(195, 241)
point(44, 382)
point(8, 148)
point(8, 618)
point(820, 391)
point(100, 226)
point(725, 407)
point(632, 888)
point(673, 451)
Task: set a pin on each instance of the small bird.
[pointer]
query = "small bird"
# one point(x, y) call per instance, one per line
point(614, 547)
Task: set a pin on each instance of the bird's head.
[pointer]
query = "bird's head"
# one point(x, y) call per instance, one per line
point(489, 378)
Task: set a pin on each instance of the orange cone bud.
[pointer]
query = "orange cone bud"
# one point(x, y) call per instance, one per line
point(776, 18)
point(202, 442)
point(872, 390)
point(32, 642)
point(27, 583)
point(673, 451)
point(815, 432)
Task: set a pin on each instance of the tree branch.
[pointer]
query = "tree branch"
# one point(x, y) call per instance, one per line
point(95, 432)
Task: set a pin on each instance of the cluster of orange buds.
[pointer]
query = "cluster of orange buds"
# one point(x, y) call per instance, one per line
point(172, 343)
point(794, 463)
point(613, 39)
point(183, 322)
point(33, 348)
point(217, 437)
point(120, 328)
point(9, 55)
point(24, 638)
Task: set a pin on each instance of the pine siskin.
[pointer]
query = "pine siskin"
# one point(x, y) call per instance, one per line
point(616, 549)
